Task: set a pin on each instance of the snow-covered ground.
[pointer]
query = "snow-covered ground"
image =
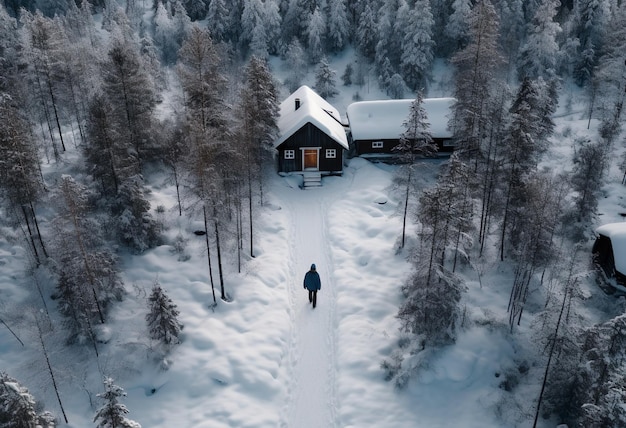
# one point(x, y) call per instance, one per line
point(266, 358)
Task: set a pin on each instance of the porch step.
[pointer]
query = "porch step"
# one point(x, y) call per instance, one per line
point(312, 179)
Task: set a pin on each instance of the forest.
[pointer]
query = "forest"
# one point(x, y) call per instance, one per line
point(86, 90)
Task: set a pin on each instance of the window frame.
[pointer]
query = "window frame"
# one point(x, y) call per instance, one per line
point(289, 154)
point(377, 145)
point(331, 153)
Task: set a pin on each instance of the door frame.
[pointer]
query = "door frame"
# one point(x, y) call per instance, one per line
point(317, 157)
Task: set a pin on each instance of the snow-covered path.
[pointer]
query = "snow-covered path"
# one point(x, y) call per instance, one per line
point(311, 399)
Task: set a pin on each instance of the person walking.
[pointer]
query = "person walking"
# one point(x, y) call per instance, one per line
point(312, 283)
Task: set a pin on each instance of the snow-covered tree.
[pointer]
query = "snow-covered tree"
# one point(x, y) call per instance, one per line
point(218, 20)
point(417, 46)
point(610, 76)
point(591, 20)
point(113, 413)
point(590, 164)
point(392, 20)
point(88, 281)
point(18, 406)
point(338, 26)
point(539, 55)
point(316, 36)
point(258, 115)
point(416, 140)
point(325, 84)
point(254, 32)
point(365, 38)
point(21, 185)
point(162, 317)
point(457, 28)
point(477, 72)
point(296, 64)
point(130, 90)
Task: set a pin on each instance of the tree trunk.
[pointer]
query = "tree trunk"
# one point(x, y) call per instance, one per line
point(208, 253)
point(219, 253)
point(45, 353)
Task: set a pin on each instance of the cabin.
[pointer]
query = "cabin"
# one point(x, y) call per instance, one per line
point(312, 139)
point(609, 254)
point(376, 126)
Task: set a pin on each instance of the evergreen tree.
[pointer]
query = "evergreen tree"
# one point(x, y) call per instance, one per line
point(20, 176)
point(296, 64)
point(591, 20)
point(477, 69)
point(316, 36)
point(325, 84)
point(366, 33)
point(131, 92)
point(196, 9)
point(338, 26)
point(113, 413)
point(87, 279)
point(417, 46)
point(416, 140)
point(610, 76)
point(218, 20)
point(539, 55)
point(590, 163)
point(44, 42)
point(391, 17)
point(162, 317)
point(457, 28)
point(18, 406)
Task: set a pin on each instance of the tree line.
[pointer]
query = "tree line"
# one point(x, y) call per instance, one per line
point(493, 203)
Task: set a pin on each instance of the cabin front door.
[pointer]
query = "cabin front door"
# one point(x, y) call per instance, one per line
point(310, 158)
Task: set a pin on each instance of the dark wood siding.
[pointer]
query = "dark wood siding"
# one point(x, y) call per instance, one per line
point(363, 147)
point(310, 136)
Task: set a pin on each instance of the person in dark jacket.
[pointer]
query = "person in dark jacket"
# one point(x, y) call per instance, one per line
point(312, 283)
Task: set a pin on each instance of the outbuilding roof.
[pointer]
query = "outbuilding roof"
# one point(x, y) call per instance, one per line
point(311, 108)
point(371, 120)
point(616, 232)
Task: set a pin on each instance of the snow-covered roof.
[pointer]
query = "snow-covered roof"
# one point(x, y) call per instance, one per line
point(616, 232)
point(313, 109)
point(371, 120)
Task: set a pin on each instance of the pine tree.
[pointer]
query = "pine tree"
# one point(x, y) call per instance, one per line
point(113, 413)
point(338, 27)
point(162, 317)
point(416, 140)
point(366, 33)
point(218, 21)
point(18, 406)
point(590, 164)
point(538, 56)
point(87, 279)
point(20, 177)
point(477, 69)
point(417, 46)
point(296, 64)
point(316, 36)
point(457, 28)
point(325, 84)
point(130, 90)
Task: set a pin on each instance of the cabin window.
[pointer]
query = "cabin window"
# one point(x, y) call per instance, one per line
point(290, 154)
point(331, 153)
point(377, 144)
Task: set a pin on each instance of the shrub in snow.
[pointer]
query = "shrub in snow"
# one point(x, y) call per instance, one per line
point(17, 406)
point(112, 413)
point(163, 324)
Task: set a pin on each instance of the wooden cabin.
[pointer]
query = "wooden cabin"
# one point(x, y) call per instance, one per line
point(609, 254)
point(376, 126)
point(312, 139)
